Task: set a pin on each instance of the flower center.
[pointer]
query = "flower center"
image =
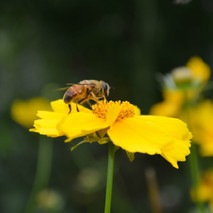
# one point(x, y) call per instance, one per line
point(102, 107)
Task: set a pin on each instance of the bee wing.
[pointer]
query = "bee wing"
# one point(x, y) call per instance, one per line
point(72, 84)
point(79, 84)
point(63, 88)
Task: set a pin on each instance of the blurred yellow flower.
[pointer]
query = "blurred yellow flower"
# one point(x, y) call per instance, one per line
point(200, 70)
point(168, 137)
point(174, 93)
point(89, 180)
point(201, 118)
point(24, 111)
point(173, 101)
point(50, 200)
point(205, 189)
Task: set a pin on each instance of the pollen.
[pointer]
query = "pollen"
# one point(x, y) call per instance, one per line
point(102, 107)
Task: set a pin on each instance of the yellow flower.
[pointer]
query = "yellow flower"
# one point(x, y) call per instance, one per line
point(174, 93)
point(168, 137)
point(24, 112)
point(173, 101)
point(200, 70)
point(205, 189)
point(201, 118)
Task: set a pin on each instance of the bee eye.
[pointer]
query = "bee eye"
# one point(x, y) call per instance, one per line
point(106, 88)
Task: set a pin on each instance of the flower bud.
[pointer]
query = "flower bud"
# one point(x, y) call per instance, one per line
point(182, 76)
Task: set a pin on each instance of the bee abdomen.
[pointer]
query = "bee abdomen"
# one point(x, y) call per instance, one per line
point(69, 95)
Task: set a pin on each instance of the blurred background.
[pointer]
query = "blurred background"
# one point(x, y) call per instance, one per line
point(46, 44)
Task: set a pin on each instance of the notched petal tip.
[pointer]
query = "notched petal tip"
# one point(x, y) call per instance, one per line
point(33, 130)
point(175, 165)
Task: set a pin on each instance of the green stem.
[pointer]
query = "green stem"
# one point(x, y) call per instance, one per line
point(193, 160)
point(195, 175)
point(111, 159)
point(42, 172)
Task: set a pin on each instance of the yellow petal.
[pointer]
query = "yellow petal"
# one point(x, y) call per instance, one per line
point(48, 115)
point(178, 148)
point(152, 135)
point(134, 135)
point(113, 113)
point(46, 127)
point(47, 124)
point(171, 126)
point(60, 106)
point(49, 121)
point(50, 132)
point(81, 124)
point(176, 151)
point(137, 111)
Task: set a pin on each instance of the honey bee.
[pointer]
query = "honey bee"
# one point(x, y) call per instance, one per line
point(86, 90)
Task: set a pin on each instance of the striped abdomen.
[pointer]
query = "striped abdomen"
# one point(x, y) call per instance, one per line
point(74, 93)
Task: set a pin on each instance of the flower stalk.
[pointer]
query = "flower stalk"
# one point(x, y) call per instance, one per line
point(42, 173)
point(195, 175)
point(193, 158)
point(110, 170)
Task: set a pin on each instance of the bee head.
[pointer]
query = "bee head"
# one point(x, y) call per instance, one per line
point(106, 88)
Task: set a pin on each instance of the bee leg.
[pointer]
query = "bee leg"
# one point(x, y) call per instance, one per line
point(77, 107)
point(89, 104)
point(105, 99)
point(79, 102)
point(94, 97)
point(70, 109)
